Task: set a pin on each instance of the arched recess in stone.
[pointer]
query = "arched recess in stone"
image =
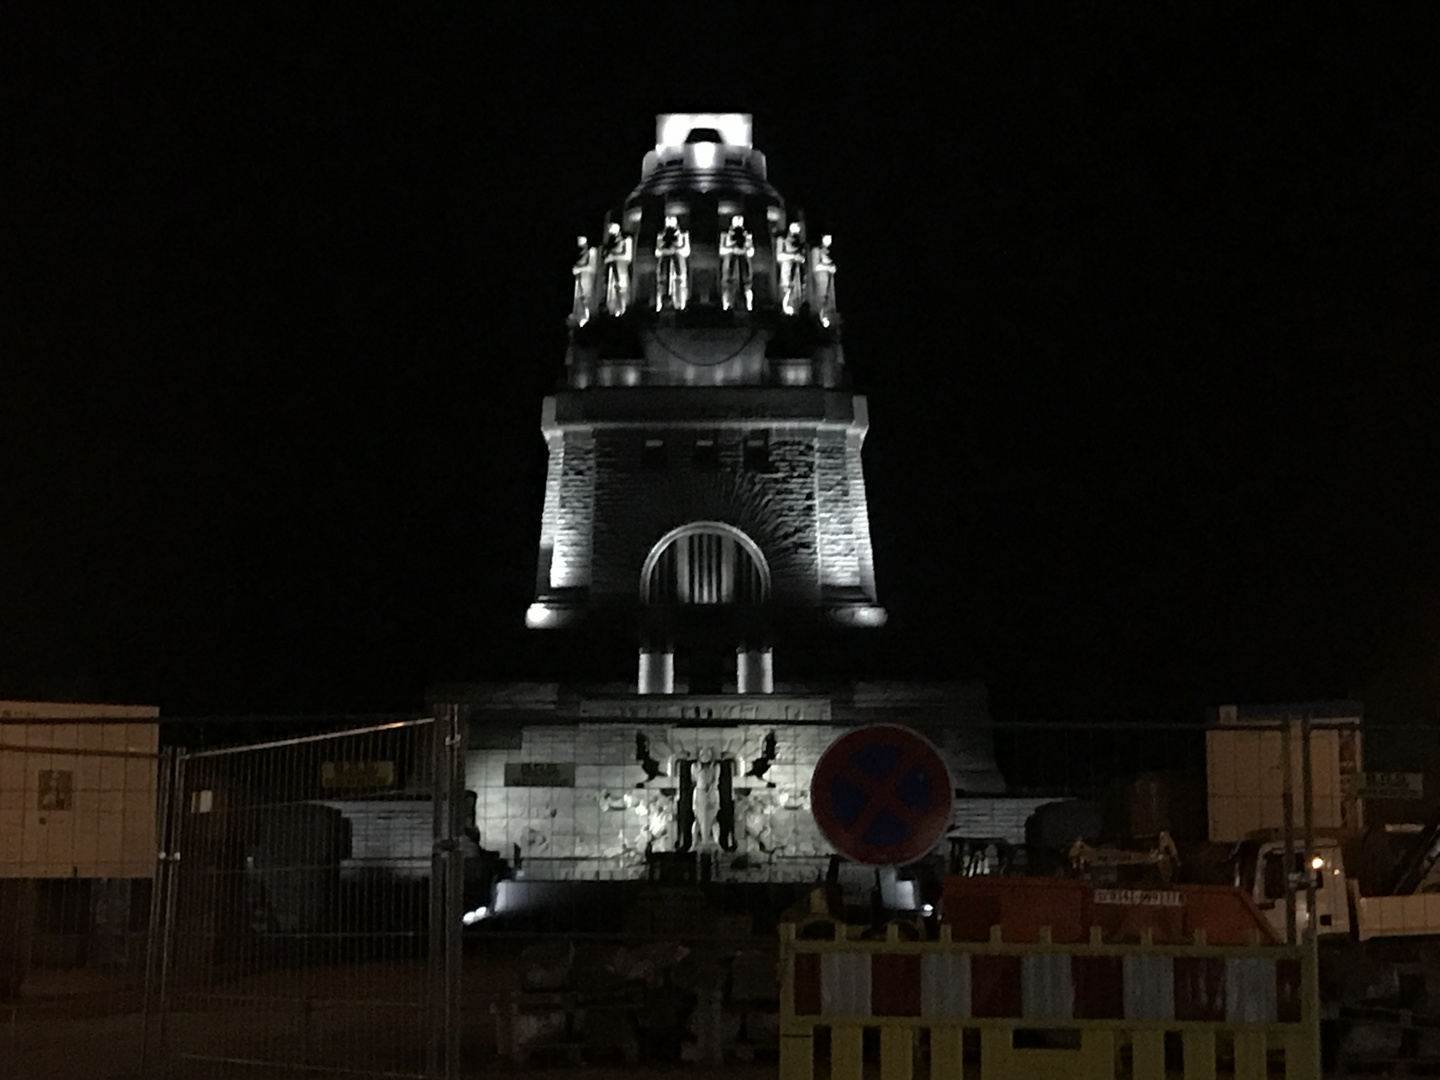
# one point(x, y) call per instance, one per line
point(705, 562)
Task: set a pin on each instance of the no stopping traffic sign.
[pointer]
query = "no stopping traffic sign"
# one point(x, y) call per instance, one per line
point(882, 795)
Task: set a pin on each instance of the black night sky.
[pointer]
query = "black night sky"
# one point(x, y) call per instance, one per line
point(1144, 298)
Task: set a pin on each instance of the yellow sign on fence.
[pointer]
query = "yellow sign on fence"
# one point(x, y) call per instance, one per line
point(357, 775)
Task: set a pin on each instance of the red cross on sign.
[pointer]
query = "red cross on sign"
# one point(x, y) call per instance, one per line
point(882, 795)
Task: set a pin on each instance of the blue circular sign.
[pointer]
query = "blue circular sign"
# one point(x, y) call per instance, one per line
point(882, 795)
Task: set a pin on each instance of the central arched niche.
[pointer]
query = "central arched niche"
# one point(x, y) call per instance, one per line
point(705, 562)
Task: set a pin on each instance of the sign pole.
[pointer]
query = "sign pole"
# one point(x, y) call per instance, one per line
point(1307, 809)
point(1287, 810)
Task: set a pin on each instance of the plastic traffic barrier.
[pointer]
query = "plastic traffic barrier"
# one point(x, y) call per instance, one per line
point(1047, 1009)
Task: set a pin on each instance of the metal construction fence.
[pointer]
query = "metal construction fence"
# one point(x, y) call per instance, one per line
point(324, 905)
point(295, 921)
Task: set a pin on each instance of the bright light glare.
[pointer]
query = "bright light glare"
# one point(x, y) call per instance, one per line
point(470, 918)
point(860, 615)
point(672, 128)
point(705, 155)
point(541, 617)
point(927, 910)
point(1317, 863)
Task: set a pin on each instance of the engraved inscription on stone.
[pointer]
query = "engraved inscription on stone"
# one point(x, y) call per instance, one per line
point(775, 709)
point(539, 774)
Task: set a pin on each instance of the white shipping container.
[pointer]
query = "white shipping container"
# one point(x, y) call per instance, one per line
point(1245, 776)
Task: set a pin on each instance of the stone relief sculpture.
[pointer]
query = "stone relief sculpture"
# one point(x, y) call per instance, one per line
point(533, 841)
point(706, 801)
point(757, 819)
point(790, 258)
point(653, 754)
point(657, 813)
point(586, 264)
point(618, 253)
point(822, 280)
point(672, 265)
point(618, 837)
point(737, 250)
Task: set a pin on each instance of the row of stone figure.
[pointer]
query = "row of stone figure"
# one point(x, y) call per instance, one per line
point(759, 821)
point(797, 266)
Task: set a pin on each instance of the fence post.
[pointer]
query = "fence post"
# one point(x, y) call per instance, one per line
point(797, 1040)
point(155, 925)
point(18, 897)
point(1307, 800)
point(163, 902)
point(446, 892)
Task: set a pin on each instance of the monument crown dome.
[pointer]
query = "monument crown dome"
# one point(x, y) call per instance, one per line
point(703, 152)
point(703, 277)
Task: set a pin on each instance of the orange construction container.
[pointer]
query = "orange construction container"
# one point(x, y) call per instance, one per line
point(1172, 914)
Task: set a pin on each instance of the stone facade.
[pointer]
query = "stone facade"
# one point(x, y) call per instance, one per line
point(577, 785)
point(606, 504)
point(705, 487)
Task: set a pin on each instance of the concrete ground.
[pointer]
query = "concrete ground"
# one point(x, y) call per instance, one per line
point(89, 1025)
point(108, 1048)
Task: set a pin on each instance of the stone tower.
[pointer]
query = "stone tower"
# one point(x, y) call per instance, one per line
point(705, 489)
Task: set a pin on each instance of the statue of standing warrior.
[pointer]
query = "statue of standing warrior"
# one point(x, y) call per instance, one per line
point(822, 280)
point(737, 249)
point(790, 257)
point(672, 265)
point(586, 263)
point(619, 252)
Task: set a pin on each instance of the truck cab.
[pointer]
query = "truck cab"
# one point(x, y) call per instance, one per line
point(1260, 870)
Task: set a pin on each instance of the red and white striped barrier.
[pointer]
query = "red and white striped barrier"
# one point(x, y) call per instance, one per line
point(948, 984)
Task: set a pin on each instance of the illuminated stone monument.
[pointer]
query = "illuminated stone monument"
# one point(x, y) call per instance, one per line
point(704, 494)
point(705, 466)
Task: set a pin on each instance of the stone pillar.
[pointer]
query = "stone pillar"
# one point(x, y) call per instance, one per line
point(754, 671)
point(657, 672)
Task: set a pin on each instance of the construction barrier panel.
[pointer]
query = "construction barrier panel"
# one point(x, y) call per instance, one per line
point(1033, 1011)
point(1071, 909)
